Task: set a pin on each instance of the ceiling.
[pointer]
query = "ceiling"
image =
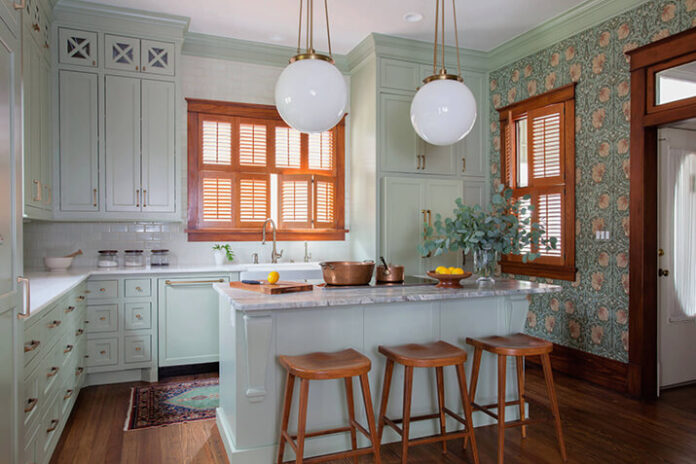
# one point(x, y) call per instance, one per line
point(483, 25)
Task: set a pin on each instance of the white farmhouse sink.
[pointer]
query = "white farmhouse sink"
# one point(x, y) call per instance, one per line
point(288, 271)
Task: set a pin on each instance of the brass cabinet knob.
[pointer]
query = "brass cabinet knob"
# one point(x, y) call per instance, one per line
point(137, 348)
point(102, 352)
point(663, 272)
point(103, 318)
point(139, 289)
point(139, 316)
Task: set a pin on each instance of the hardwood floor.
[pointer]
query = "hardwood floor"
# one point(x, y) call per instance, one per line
point(600, 426)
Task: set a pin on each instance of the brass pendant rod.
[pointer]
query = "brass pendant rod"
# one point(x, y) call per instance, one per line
point(456, 38)
point(299, 31)
point(328, 31)
point(311, 27)
point(307, 31)
point(437, 13)
point(443, 38)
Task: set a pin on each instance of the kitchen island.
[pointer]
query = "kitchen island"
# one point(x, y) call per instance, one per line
point(256, 328)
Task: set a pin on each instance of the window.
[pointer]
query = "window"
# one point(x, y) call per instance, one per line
point(538, 160)
point(246, 165)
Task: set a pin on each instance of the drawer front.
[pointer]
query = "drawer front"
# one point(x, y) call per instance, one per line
point(31, 401)
point(34, 342)
point(137, 287)
point(66, 350)
point(31, 455)
point(49, 374)
point(137, 316)
point(137, 348)
point(102, 318)
point(48, 429)
point(102, 289)
point(53, 324)
point(71, 313)
point(102, 352)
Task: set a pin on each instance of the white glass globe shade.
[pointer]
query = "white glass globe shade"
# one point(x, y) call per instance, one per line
point(443, 111)
point(311, 95)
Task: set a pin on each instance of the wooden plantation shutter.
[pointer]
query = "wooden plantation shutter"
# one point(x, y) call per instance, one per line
point(540, 132)
point(246, 165)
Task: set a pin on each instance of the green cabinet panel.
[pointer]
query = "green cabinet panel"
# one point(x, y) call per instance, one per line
point(399, 145)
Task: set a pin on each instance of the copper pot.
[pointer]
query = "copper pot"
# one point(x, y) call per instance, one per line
point(347, 272)
point(390, 273)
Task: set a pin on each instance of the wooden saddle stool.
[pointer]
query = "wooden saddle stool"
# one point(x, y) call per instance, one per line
point(438, 355)
point(517, 345)
point(344, 364)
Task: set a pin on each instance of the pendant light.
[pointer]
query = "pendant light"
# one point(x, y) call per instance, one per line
point(311, 93)
point(444, 110)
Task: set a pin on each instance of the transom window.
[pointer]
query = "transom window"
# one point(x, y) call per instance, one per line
point(246, 165)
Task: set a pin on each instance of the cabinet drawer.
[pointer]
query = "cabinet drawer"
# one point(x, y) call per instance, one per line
point(102, 318)
point(102, 352)
point(33, 342)
point(66, 350)
point(137, 287)
point(102, 289)
point(31, 455)
point(48, 429)
point(53, 325)
point(137, 348)
point(30, 407)
point(49, 374)
point(137, 316)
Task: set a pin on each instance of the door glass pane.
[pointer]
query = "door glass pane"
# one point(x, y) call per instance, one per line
point(676, 83)
point(521, 155)
point(685, 236)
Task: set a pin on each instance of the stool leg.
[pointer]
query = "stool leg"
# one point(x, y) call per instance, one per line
point(302, 420)
point(287, 403)
point(461, 376)
point(502, 359)
point(385, 397)
point(367, 399)
point(351, 415)
point(441, 405)
point(548, 376)
point(408, 388)
point(520, 390)
point(474, 380)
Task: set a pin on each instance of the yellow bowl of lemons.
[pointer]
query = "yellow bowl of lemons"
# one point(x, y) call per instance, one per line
point(449, 277)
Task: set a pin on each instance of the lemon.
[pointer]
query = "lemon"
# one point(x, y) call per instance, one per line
point(452, 270)
point(442, 270)
point(273, 277)
point(458, 270)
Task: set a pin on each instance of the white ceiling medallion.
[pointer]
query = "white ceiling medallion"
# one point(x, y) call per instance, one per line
point(311, 94)
point(444, 110)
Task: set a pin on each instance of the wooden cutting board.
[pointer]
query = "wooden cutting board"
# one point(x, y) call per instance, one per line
point(274, 289)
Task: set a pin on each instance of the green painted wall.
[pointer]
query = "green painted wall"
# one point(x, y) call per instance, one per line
point(591, 314)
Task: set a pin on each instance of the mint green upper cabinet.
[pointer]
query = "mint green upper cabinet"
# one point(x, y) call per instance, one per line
point(437, 159)
point(77, 47)
point(470, 153)
point(79, 153)
point(157, 142)
point(122, 143)
point(33, 190)
point(398, 75)
point(121, 53)
point(46, 135)
point(399, 144)
point(157, 57)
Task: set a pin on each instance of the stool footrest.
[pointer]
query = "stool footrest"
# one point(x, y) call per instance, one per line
point(319, 433)
point(334, 456)
point(520, 423)
point(438, 438)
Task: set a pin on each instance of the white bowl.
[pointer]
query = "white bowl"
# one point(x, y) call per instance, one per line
point(55, 263)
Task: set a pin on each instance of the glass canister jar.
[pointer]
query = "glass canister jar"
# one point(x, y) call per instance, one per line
point(159, 258)
point(133, 258)
point(107, 259)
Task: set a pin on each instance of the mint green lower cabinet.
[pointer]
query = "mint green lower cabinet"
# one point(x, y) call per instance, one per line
point(188, 320)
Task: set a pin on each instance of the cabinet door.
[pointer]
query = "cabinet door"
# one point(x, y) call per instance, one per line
point(32, 121)
point(440, 199)
point(45, 129)
point(475, 193)
point(158, 153)
point(188, 320)
point(437, 159)
point(79, 146)
point(77, 47)
point(400, 75)
point(157, 57)
point(122, 143)
point(402, 222)
point(470, 157)
point(121, 53)
point(399, 144)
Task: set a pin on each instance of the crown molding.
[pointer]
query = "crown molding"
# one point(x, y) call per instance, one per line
point(226, 48)
point(579, 18)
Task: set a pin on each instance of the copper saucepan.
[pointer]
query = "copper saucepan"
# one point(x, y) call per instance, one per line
point(389, 272)
point(347, 272)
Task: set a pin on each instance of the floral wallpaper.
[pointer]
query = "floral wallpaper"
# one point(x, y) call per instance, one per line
point(591, 314)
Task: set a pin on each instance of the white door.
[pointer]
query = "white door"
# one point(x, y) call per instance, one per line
point(10, 234)
point(677, 260)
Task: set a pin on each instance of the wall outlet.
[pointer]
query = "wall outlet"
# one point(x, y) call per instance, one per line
point(602, 235)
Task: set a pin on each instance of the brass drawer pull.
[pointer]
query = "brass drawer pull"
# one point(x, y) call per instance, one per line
point(53, 372)
point(463, 164)
point(102, 289)
point(69, 309)
point(21, 5)
point(36, 27)
point(81, 298)
point(68, 394)
point(137, 348)
point(31, 346)
point(68, 349)
point(54, 324)
point(79, 332)
point(103, 318)
point(139, 289)
point(54, 425)
point(139, 316)
point(31, 404)
point(78, 371)
point(94, 192)
point(102, 352)
point(144, 198)
point(137, 198)
point(187, 282)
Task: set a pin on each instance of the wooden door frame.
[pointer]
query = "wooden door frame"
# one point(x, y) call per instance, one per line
point(645, 120)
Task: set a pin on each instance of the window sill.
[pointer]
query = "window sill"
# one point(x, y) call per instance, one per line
point(539, 270)
point(256, 235)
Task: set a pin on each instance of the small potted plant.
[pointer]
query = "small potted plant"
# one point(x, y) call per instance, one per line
point(503, 227)
point(222, 253)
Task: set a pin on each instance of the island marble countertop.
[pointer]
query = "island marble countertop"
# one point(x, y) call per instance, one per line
point(244, 300)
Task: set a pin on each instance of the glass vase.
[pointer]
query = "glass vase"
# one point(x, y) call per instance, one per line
point(485, 262)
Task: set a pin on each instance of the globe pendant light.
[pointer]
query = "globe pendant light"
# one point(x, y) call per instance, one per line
point(311, 93)
point(444, 110)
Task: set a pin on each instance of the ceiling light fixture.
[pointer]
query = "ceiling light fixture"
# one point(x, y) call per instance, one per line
point(444, 110)
point(413, 17)
point(311, 92)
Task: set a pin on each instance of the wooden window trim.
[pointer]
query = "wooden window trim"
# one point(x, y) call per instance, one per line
point(246, 112)
point(548, 267)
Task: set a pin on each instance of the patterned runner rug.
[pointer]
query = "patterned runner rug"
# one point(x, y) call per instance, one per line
point(168, 403)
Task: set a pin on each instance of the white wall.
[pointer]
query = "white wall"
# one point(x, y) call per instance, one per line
point(204, 78)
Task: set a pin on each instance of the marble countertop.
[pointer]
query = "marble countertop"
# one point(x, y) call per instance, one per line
point(244, 300)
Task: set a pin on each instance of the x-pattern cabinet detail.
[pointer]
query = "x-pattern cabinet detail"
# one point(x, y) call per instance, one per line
point(132, 54)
